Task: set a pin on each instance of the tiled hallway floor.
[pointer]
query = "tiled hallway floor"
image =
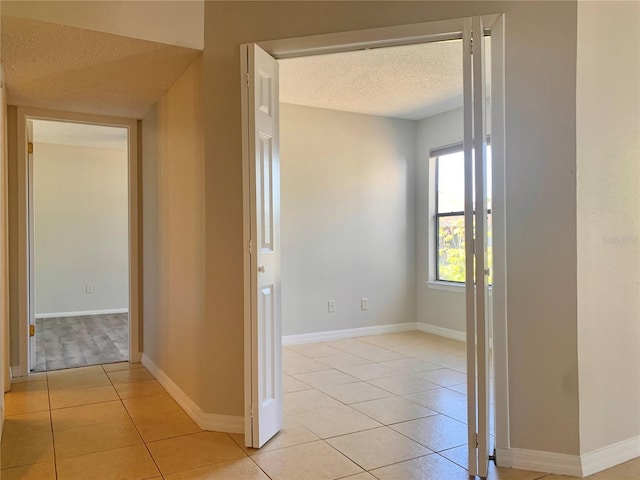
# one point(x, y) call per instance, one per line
point(385, 407)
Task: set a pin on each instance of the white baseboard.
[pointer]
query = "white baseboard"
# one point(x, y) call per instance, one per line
point(206, 421)
point(16, 371)
point(347, 333)
point(83, 313)
point(547, 462)
point(441, 331)
point(445, 332)
point(610, 456)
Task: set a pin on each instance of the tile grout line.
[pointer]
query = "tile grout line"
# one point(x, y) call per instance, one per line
point(53, 436)
point(144, 442)
point(250, 457)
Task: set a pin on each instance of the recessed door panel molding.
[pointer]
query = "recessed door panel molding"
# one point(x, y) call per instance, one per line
point(265, 195)
point(267, 392)
point(264, 92)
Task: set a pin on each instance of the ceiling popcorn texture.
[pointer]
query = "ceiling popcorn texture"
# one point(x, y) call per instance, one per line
point(411, 82)
point(72, 69)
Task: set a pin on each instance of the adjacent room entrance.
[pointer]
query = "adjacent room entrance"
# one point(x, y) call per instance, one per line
point(79, 244)
point(78, 240)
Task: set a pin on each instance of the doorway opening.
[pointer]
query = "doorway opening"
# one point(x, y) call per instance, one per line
point(262, 262)
point(78, 239)
point(79, 244)
point(362, 134)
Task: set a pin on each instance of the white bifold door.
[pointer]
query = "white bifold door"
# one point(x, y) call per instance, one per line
point(262, 165)
point(476, 213)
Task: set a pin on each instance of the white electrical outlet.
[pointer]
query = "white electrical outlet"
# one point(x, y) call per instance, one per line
point(88, 288)
point(364, 304)
point(332, 306)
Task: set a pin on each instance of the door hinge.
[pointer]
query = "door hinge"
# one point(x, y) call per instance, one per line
point(250, 247)
point(471, 46)
point(32, 330)
point(30, 147)
point(476, 440)
point(251, 411)
point(246, 84)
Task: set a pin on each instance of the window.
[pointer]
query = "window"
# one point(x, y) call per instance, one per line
point(449, 214)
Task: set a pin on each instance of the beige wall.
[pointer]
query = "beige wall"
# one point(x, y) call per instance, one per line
point(608, 171)
point(347, 219)
point(80, 235)
point(173, 22)
point(540, 117)
point(173, 238)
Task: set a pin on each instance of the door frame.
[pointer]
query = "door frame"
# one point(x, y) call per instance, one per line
point(386, 37)
point(25, 188)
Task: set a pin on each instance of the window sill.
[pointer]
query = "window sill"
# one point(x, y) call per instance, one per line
point(450, 286)
point(445, 286)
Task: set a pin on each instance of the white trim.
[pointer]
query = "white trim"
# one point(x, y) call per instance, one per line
point(446, 286)
point(610, 456)
point(442, 331)
point(389, 36)
point(206, 421)
point(547, 462)
point(16, 371)
point(452, 287)
point(499, 235)
point(246, 256)
point(446, 332)
point(82, 313)
point(347, 333)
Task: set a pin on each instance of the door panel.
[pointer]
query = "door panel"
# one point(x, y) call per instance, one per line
point(476, 214)
point(467, 69)
point(481, 257)
point(264, 180)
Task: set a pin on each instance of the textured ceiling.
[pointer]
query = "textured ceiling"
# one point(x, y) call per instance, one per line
point(72, 69)
point(412, 81)
point(79, 134)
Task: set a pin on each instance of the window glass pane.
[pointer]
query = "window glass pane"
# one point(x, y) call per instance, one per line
point(451, 258)
point(451, 183)
point(451, 254)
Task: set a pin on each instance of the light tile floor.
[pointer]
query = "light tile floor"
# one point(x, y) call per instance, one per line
point(395, 417)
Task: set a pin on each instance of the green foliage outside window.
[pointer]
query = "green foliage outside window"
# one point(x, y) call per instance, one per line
point(451, 246)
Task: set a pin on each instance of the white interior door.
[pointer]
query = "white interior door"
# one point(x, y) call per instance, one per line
point(476, 215)
point(263, 164)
